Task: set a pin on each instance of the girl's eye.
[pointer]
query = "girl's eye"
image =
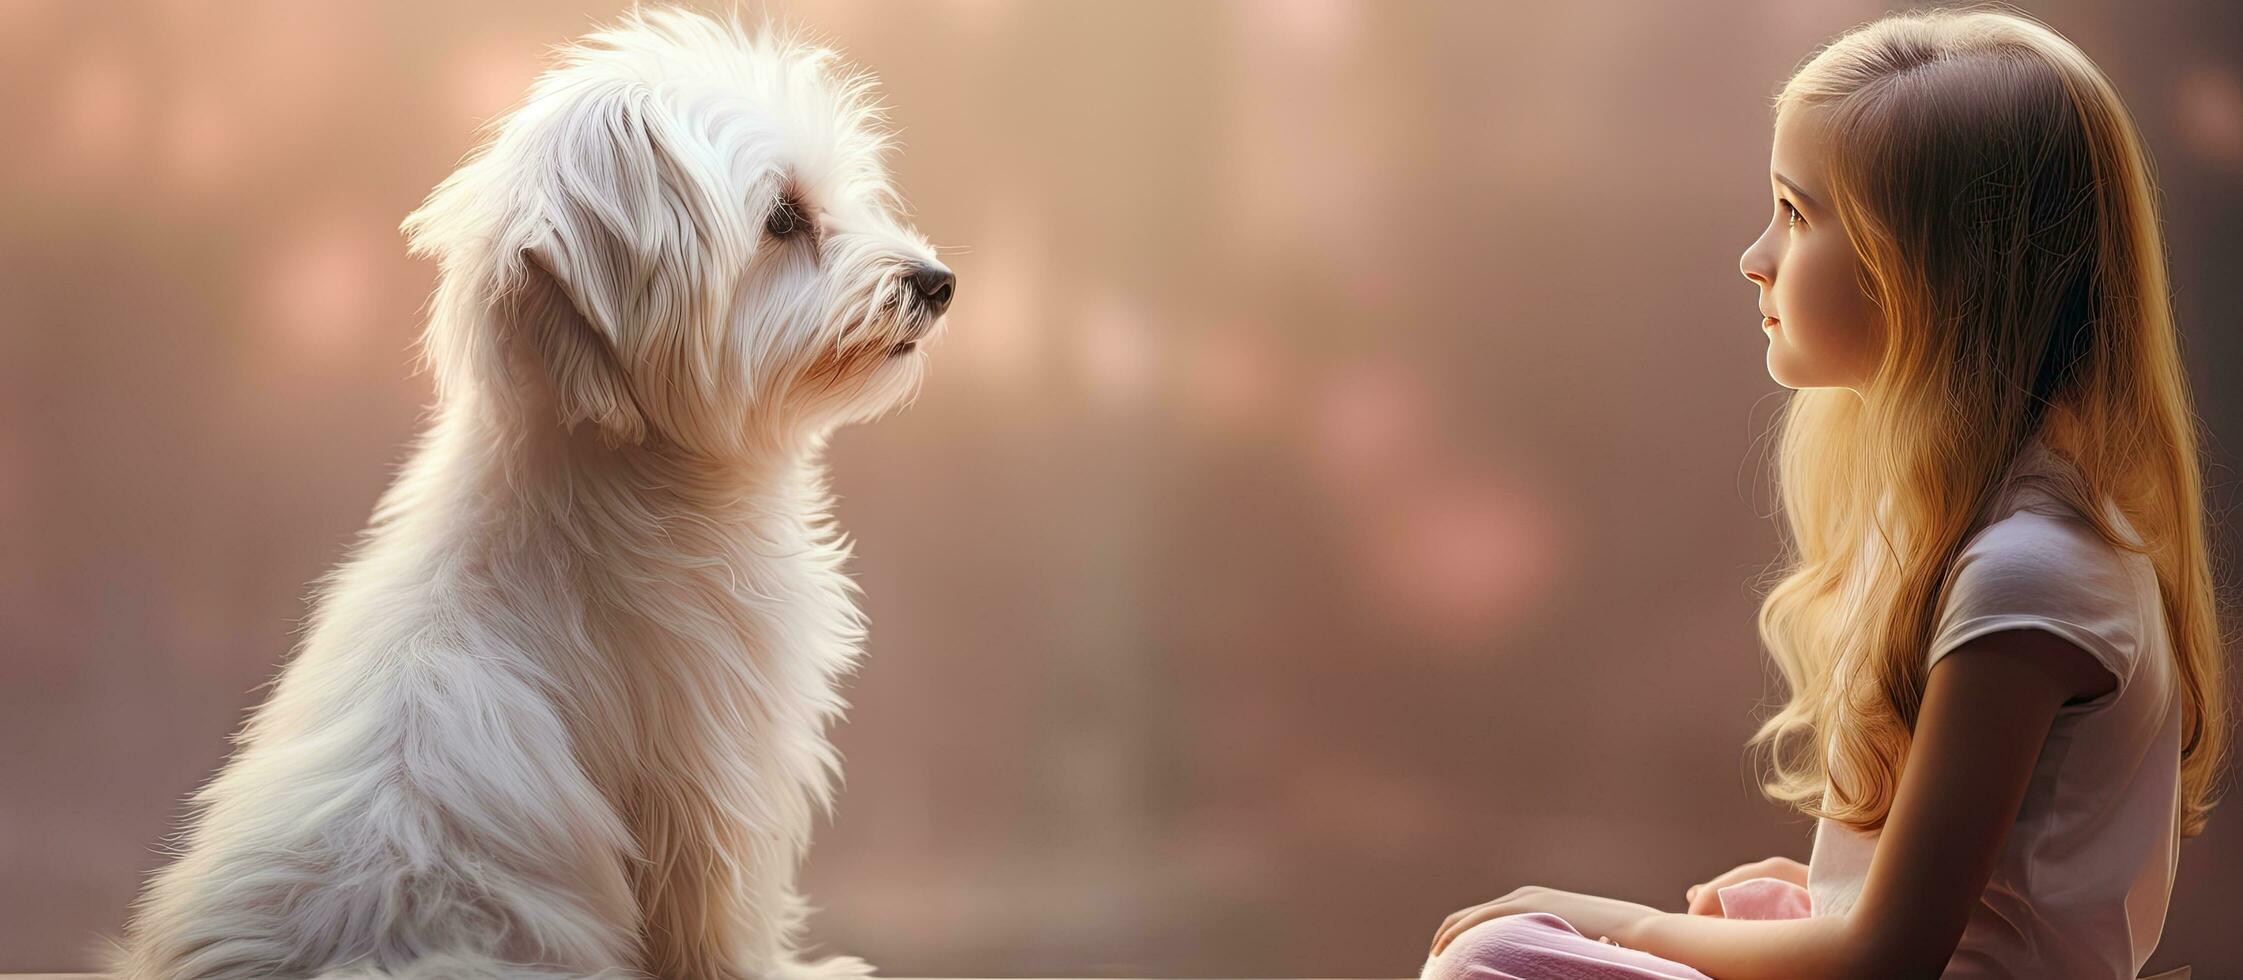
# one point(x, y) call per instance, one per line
point(1794, 218)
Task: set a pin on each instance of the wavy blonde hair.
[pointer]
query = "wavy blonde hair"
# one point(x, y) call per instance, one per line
point(2003, 210)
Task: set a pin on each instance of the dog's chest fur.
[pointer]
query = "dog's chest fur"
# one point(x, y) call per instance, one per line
point(709, 655)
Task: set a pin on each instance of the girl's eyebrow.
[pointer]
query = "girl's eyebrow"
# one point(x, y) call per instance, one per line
point(1803, 195)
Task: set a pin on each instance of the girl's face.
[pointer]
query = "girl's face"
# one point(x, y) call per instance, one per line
point(1821, 326)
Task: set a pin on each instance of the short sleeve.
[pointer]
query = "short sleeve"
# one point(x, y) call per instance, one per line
point(2043, 571)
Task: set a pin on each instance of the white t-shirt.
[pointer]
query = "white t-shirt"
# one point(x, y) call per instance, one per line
point(2081, 886)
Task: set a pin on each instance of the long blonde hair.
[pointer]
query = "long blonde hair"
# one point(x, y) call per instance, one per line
point(2002, 207)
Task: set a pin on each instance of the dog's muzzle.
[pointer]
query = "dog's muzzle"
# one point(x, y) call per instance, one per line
point(931, 287)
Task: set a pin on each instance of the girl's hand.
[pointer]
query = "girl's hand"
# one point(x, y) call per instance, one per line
point(1589, 915)
point(1705, 898)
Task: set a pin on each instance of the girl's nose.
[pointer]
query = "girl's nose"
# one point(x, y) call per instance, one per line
point(1756, 264)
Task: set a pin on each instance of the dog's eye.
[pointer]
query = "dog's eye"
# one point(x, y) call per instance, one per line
point(786, 219)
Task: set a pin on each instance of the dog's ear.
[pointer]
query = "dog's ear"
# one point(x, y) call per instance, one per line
point(578, 357)
point(608, 258)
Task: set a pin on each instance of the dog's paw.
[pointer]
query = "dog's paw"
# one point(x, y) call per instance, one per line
point(830, 968)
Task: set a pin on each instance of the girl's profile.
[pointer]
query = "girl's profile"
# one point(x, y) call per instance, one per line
point(1995, 620)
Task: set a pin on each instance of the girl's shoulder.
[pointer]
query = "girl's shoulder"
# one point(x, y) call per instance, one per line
point(2034, 506)
point(2041, 564)
point(2047, 547)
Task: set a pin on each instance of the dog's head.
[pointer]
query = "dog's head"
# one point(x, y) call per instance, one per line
point(684, 233)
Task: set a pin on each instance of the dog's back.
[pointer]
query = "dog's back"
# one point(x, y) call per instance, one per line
point(408, 788)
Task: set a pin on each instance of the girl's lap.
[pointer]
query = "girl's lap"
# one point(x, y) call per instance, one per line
point(1541, 946)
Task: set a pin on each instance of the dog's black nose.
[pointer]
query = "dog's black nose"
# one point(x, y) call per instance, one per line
point(934, 285)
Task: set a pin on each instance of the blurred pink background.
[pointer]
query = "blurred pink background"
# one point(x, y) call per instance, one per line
point(1336, 503)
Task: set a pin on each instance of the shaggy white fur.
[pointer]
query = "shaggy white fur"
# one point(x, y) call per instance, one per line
point(562, 711)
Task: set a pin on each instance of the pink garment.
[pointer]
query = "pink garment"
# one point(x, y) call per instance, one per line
point(1541, 946)
point(1764, 898)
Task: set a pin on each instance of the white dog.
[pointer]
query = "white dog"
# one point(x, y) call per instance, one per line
point(562, 712)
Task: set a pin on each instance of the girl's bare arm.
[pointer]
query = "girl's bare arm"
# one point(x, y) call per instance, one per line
point(1987, 709)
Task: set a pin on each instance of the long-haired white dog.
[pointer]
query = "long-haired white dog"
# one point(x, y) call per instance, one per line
point(562, 712)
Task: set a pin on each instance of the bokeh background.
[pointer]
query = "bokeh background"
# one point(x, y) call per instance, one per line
point(1338, 500)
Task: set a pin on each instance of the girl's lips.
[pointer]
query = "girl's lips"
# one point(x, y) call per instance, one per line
point(1767, 322)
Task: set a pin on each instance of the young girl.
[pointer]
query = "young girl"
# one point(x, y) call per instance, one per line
point(1997, 620)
